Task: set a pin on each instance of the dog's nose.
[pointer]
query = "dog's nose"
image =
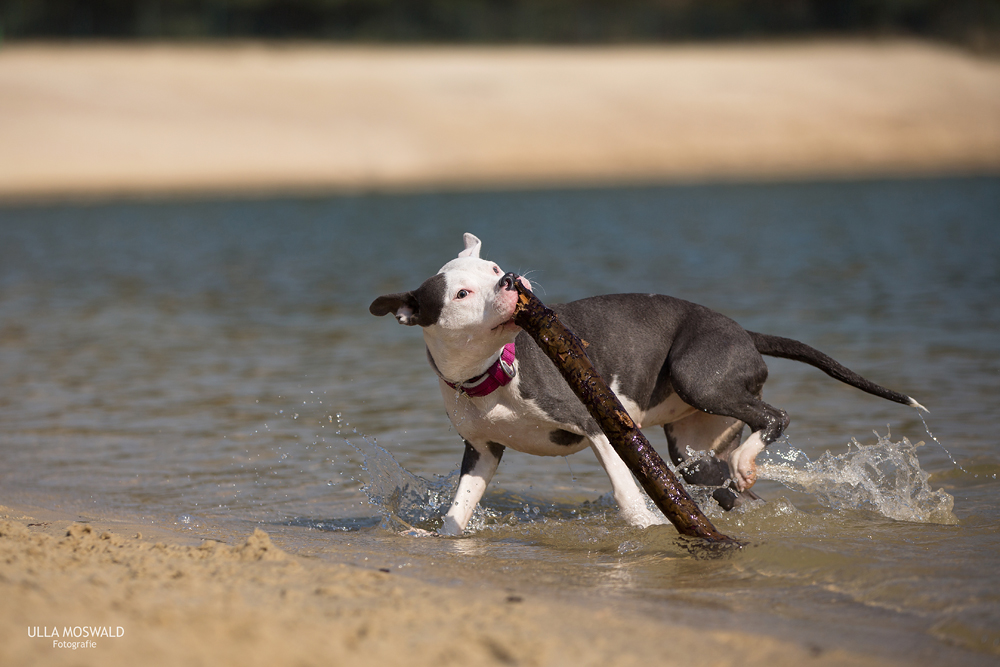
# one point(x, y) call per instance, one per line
point(509, 280)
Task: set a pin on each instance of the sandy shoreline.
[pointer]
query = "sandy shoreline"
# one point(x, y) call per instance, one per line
point(106, 120)
point(181, 602)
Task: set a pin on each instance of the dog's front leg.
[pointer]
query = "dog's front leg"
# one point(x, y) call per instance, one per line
point(630, 498)
point(477, 471)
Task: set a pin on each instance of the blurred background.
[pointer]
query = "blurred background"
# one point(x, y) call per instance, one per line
point(973, 23)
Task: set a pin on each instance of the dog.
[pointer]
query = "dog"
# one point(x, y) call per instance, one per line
point(671, 363)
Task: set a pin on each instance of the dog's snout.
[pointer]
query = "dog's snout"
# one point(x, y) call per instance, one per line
point(509, 280)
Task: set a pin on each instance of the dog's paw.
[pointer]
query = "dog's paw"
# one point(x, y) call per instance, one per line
point(743, 462)
point(744, 473)
point(647, 520)
point(417, 532)
point(638, 515)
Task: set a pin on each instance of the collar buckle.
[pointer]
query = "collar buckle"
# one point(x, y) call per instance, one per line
point(498, 375)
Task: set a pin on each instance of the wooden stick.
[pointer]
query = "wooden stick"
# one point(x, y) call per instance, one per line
point(566, 351)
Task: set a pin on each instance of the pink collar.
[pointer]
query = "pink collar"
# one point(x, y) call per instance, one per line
point(498, 375)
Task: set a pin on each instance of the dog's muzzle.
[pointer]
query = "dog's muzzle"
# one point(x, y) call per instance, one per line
point(509, 281)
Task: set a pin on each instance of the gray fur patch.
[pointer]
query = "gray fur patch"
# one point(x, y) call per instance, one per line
point(564, 437)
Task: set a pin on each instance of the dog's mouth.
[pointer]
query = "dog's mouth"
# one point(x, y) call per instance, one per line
point(505, 292)
point(509, 324)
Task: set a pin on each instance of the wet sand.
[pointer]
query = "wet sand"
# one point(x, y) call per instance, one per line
point(159, 599)
point(106, 120)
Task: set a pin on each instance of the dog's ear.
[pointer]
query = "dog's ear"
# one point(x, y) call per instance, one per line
point(422, 306)
point(403, 306)
point(472, 246)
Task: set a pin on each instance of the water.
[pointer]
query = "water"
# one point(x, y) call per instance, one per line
point(210, 366)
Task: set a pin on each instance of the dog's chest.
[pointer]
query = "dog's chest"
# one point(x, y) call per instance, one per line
point(504, 417)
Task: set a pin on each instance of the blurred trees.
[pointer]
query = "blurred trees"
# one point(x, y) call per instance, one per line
point(972, 22)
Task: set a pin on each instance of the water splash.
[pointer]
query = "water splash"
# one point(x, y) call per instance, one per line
point(941, 445)
point(404, 500)
point(885, 478)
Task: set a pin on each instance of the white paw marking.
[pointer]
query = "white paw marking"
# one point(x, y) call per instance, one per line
point(743, 462)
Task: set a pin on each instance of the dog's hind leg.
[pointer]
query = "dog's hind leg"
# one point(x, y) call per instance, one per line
point(478, 467)
point(768, 423)
point(717, 370)
point(700, 445)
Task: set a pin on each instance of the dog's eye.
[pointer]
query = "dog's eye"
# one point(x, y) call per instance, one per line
point(462, 293)
point(496, 270)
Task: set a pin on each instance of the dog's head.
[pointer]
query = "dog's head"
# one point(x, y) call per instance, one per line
point(470, 298)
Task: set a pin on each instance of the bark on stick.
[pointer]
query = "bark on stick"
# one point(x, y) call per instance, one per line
point(567, 352)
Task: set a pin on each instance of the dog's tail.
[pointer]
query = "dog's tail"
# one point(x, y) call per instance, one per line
point(786, 348)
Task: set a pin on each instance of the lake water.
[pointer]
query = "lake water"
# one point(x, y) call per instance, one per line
point(209, 366)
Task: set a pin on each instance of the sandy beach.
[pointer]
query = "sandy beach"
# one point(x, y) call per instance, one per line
point(104, 593)
point(107, 120)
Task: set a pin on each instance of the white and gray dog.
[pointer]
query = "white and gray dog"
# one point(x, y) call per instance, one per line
point(670, 362)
